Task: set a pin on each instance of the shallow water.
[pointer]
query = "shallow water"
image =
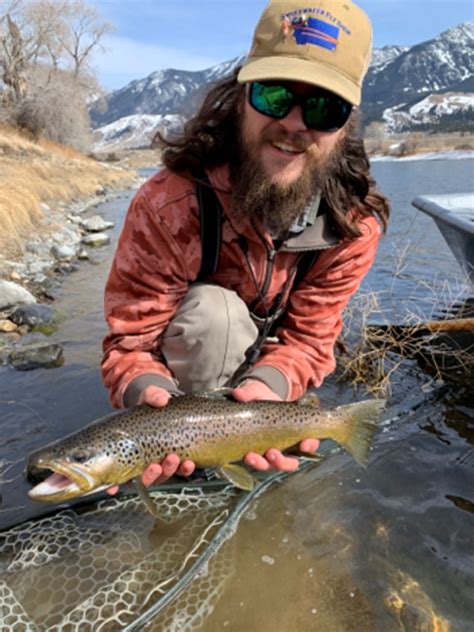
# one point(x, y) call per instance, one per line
point(337, 547)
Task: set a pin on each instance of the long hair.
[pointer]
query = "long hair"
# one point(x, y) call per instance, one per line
point(208, 139)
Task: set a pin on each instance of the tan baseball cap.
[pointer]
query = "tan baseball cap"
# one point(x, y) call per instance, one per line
point(326, 43)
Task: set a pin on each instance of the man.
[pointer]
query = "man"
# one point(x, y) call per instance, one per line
point(277, 144)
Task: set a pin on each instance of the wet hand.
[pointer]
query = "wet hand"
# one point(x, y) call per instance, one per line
point(252, 390)
point(171, 464)
point(161, 472)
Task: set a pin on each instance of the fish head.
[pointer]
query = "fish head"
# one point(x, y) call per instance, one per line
point(76, 468)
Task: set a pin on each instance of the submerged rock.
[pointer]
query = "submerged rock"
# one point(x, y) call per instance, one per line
point(26, 356)
point(13, 294)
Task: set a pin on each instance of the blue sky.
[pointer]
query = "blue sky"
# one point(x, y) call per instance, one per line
point(196, 34)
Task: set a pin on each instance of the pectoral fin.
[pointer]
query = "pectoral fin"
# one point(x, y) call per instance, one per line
point(238, 476)
point(145, 496)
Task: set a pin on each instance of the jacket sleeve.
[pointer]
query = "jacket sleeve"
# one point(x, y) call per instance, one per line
point(304, 353)
point(148, 279)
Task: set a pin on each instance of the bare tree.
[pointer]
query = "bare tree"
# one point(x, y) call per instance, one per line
point(46, 50)
point(83, 35)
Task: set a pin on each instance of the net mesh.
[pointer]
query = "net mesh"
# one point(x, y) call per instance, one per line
point(100, 568)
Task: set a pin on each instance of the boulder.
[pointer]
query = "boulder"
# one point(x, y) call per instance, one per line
point(96, 224)
point(13, 294)
point(26, 356)
point(7, 326)
point(34, 315)
point(96, 239)
point(64, 252)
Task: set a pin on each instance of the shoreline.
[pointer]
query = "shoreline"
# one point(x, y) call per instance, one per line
point(31, 281)
point(455, 154)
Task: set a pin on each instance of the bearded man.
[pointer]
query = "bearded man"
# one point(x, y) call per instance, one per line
point(274, 168)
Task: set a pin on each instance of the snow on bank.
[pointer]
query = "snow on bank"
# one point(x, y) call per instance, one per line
point(435, 155)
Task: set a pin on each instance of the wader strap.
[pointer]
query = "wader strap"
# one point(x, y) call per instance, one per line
point(210, 217)
point(272, 322)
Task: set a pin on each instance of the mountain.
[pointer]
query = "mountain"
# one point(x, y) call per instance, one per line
point(426, 86)
point(438, 65)
point(135, 131)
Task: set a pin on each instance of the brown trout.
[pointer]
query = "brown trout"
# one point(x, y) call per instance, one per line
point(213, 432)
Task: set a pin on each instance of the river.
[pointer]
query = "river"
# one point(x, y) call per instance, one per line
point(336, 547)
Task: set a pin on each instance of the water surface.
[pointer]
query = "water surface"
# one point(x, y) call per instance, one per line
point(337, 547)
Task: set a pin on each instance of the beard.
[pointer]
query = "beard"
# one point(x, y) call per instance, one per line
point(277, 205)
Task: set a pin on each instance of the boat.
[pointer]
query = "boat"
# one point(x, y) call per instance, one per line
point(454, 216)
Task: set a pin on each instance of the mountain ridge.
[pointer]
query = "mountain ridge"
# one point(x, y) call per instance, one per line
point(399, 78)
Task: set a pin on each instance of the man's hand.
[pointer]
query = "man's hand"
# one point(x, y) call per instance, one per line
point(171, 464)
point(252, 390)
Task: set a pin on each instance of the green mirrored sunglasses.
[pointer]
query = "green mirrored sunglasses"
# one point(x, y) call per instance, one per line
point(322, 110)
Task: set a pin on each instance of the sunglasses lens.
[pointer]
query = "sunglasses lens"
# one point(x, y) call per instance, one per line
point(326, 112)
point(274, 101)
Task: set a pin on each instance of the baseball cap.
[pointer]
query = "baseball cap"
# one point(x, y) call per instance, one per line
point(326, 43)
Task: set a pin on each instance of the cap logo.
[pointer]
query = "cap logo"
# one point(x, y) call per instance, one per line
point(311, 30)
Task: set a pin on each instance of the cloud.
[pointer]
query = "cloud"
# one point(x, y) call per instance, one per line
point(126, 59)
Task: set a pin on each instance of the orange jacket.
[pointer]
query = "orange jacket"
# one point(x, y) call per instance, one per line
point(159, 255)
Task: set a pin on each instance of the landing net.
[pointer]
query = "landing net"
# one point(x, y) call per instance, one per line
point(112, 566)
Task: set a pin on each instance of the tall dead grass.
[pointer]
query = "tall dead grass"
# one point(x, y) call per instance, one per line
point(43, 172)
point(370, 354)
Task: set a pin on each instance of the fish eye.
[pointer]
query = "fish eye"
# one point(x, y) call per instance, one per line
point(79, 457)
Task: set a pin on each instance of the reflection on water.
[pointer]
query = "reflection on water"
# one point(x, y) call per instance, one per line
point(337, 548)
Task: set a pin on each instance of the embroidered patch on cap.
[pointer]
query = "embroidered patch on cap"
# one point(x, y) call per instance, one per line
point(312, 30)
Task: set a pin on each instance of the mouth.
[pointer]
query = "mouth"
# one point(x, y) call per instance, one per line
point(62, 482)
point(287, 149)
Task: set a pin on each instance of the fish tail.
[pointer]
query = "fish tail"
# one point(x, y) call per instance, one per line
point(361, 422)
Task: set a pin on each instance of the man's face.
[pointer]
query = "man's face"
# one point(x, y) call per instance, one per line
point(285, 148)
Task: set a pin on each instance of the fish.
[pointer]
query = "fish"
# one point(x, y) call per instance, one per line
point(214, 432)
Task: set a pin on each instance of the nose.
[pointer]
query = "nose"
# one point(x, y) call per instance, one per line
point(293, 121)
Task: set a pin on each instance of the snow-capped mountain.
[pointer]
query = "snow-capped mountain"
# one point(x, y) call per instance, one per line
point(440, 64)
point(136, 131)
point(424, 86)
point(451, 110)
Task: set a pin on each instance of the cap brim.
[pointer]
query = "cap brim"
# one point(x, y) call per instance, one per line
point(295, 69)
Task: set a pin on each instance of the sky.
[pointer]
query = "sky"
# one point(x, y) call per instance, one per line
point(152, 35)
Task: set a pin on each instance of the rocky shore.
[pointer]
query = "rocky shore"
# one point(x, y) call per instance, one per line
point(30, 284)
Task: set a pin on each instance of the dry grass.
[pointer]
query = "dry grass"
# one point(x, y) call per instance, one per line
point(370, 355)
point(44, 172)
point(419, 142)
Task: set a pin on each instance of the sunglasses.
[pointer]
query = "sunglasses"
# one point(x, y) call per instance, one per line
point(322, 110)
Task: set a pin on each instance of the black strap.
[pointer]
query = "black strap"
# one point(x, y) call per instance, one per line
point(210, 217)
point(304, 265)
point(252, 354)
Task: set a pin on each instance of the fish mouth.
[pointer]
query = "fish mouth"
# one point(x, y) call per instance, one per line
point(64, 481)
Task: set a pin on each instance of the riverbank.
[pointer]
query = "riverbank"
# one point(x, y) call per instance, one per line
point(47, 198)
point(42, 183)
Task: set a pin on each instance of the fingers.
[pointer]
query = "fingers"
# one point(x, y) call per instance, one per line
point(273, 459)
point(309, 446)
point(252, 390)
point(186, 468)
point(154, 396)
point(161, 472)
point(168, 468)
